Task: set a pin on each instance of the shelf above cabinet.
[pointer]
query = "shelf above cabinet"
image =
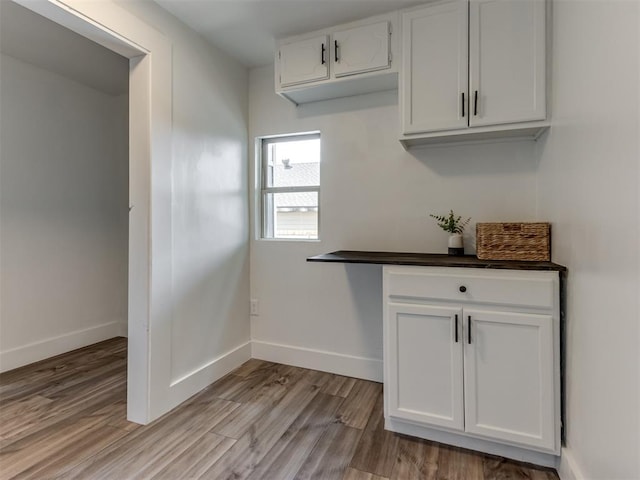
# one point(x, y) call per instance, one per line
point(512, 132)
point(342, 87)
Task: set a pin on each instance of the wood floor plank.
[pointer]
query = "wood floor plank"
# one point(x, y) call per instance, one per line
point(332, 454)
point(416, 460)
point(79, 449)
point(339, 386)
point(251, 367)
point(106, 391)
point(241, 459)
point(147, 451)
point(459, 464)
point(195, 461)
point(65, 418)
point(357, 407)
point(377, 449)
point(19, 457)
point(25, 380)
point(353, 474)
point(501, 469)
point(292, 449)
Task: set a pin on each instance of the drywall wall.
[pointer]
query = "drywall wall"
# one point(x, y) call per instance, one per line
point(64, 183)
point(588, 187)
point(207, 332)
point(209, 195)
point(374, 196)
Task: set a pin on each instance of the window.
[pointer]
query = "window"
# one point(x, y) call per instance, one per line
point(290, 186)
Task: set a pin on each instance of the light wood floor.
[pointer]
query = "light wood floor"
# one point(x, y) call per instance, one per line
point(64, 418)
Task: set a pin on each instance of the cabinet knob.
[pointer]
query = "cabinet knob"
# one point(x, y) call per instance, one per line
point(462, 288)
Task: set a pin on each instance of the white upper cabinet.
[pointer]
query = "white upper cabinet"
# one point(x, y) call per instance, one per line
point(361, 49)
point(473, 70)
point(341, 61)
point(507, 61)
point(435, 68)
point(304, 61)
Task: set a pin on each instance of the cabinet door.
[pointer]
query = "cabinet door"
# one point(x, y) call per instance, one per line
point(424, 365)
point(304, 61)
point(507, 61)
point(361, 49)
point(435, 68)
point(508, 377)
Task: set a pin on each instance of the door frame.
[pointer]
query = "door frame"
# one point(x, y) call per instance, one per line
point(150, 83)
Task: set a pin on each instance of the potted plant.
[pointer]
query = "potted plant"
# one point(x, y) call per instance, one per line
point(454, 225)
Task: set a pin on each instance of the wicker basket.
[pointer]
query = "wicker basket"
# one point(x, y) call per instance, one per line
point(513, 241)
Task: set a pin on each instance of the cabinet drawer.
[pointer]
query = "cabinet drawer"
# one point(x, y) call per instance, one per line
point(504, 287)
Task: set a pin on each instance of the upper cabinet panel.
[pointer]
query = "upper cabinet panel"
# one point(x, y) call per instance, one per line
point(502, 92)
point(341, 61)
point(361, 49)
point(507, 61)
point(435, 67)
point(304, 61)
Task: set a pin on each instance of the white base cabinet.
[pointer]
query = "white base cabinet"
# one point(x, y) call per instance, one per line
point(475, 353)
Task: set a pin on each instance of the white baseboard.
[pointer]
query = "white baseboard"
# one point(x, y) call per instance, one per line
point(348, 365)
point(568, 469)
point(50, 347)
point(215, 369)
point(189, 384)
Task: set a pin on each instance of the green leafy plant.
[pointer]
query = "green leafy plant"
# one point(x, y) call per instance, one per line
point(451, 223)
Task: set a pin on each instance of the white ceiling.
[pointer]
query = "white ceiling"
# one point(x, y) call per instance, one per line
point(34, 39)
point(247, 29)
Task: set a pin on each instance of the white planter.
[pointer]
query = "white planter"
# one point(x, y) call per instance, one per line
point(456, 244)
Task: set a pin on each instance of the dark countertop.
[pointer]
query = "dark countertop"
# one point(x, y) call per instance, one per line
point(431, 260)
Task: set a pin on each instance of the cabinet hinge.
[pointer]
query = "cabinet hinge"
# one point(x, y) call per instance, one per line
point(390, 55)
point(279, 54)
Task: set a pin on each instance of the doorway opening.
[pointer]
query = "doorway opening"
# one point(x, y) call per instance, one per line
point(75, 204)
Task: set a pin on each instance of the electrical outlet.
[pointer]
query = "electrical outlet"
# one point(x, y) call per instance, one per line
point(254, 307)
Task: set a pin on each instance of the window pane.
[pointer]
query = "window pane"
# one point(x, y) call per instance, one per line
point(291, 215)
point(293, 164)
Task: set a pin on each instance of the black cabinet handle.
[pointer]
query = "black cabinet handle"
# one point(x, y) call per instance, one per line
point(462, 104)
point(475, 103)
point(456, 328)
point(322, 54)
point(462, 288)
point(469, 328)
point(335, 45)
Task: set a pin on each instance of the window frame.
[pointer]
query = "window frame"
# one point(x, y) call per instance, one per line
point(264, 190)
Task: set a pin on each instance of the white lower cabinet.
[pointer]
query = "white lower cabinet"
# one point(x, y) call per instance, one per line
point(458, 362)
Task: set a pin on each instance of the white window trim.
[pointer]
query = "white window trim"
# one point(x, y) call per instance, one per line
point(262, 144)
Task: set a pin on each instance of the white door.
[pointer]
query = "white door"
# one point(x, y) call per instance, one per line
point(361, 49)
point(435, 68)
point(508, 377)
point(304, 61)
point(507, 61)
point(424, 361)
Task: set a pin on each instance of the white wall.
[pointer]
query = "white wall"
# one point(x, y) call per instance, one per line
point(63, 214)
point(374, 196)
point(209, 209)
point(588, 188)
